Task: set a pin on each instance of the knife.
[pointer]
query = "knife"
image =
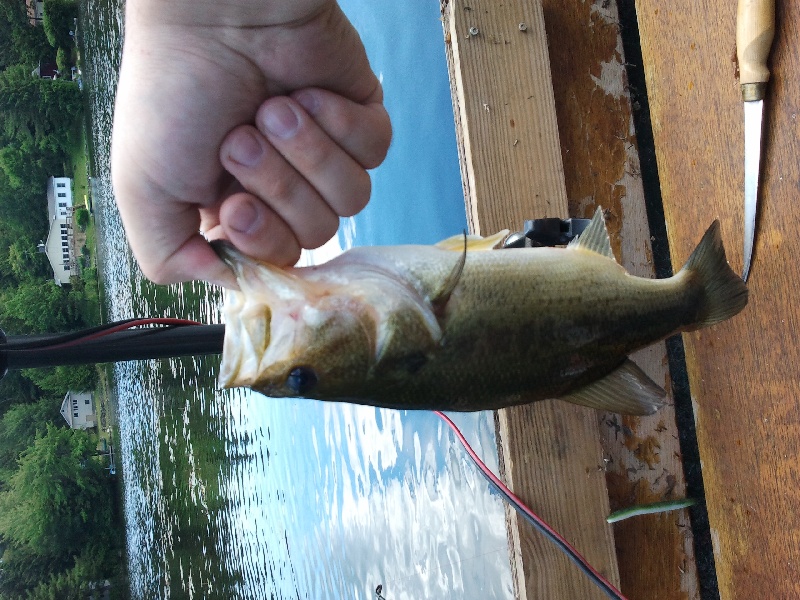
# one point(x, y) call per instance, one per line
point(755, 28)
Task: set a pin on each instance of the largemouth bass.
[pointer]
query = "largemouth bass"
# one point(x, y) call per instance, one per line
point(460, 326)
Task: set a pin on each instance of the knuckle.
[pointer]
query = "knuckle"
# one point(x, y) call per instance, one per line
point(158, 274)
point(281, 188)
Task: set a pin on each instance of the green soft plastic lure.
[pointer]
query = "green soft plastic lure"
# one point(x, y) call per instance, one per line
point(649, 509)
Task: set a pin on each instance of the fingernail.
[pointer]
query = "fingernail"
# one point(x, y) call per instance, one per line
point(243, 217)
point(280, 120)
point(245, 149)
point(307, 100)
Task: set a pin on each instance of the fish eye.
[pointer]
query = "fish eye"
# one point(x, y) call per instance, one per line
point(301, 380)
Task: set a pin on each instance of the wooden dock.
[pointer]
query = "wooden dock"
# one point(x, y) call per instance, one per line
point(545, 124)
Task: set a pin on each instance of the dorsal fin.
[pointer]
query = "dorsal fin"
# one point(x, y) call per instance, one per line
point(475, 243)
point(595, 237)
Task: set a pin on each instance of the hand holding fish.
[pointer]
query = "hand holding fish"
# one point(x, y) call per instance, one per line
point(249, 121)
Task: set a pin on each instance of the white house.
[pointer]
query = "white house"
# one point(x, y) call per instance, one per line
point(78, 410)
point(59, 246)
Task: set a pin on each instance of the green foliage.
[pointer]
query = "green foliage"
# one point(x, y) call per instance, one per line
point(55, 507)
point(58, 21)
point(24, 261)
point(56, 496)
point(41, 112)
point(58, 380)
point(19, 42)
point(56, 501)
point(14, 388)
point(40, 306)
point(19, 427)
point(68, 584)
point(82, 218)
point(62, 60)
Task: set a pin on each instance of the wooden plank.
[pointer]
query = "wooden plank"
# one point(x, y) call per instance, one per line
point(511, 161)
point(505, 113)
point(601, 163)
point(743, 373)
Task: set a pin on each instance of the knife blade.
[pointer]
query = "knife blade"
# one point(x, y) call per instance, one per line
point(755, 30)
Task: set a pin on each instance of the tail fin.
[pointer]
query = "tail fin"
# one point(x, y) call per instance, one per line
point(724, 292)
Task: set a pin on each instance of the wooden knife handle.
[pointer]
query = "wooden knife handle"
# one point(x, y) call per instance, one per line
point(755, 28)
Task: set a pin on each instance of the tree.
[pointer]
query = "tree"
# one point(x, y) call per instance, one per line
point(25, 262)
point(15, 388)
point(58, 498)
point(19, 42)
point(19, 427)
point(23, 210)
point(40, 306)
point(58, 380)
point(64, 585)
point(82, 218)
point(56, 516)
point(48, 110)
point(58, 21)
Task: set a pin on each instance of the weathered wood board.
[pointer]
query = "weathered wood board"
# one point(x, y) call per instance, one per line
point(745, 373)
point(511, 162)
point(601, 163)
point(508, 178)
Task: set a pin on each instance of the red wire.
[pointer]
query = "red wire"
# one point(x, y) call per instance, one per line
point(172, 322)
point(521, 505)
point(166, 321)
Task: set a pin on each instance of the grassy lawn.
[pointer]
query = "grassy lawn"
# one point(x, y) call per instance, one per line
point(78, 169)
point(106, 417)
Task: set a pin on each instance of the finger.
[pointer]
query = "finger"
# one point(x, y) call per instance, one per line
point(336, 176)
point(266, 174)
point(255, 229)
point(364, 131)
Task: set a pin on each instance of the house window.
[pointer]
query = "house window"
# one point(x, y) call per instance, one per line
point(75, 414)
point(62, 194)
point(87, 401)
point(61, 185)
point(66, 267)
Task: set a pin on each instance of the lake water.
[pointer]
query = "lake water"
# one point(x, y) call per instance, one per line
point(229, 494)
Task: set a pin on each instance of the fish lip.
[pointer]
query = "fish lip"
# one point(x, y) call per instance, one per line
point(226, 251)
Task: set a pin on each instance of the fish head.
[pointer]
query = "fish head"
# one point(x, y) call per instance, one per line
point(321, 348)
point(290, 336)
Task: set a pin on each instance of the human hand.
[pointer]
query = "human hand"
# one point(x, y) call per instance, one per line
point(248, 123)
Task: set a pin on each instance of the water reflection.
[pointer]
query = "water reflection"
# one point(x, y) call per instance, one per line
point(232, 495)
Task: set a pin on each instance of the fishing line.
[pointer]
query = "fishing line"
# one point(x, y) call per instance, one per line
point(537, 522)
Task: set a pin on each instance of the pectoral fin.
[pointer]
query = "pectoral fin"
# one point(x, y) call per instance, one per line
point(627, 390)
